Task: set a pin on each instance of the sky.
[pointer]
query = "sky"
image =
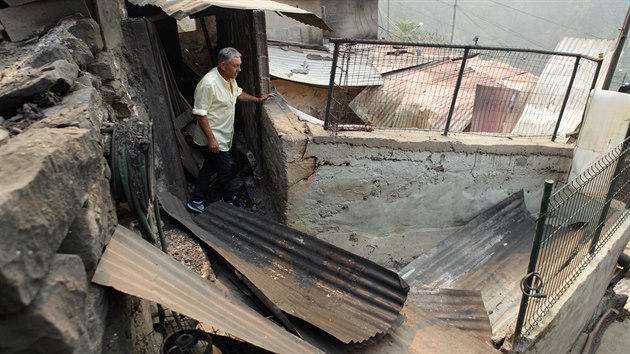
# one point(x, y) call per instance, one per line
point(534, 24)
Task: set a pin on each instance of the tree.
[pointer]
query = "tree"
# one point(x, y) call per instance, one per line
point(409, 31)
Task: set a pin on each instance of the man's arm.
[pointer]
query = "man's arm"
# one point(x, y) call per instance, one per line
point(213, 144)
point(246, 97)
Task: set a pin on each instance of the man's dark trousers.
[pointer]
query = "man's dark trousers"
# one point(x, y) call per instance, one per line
point(222, 165)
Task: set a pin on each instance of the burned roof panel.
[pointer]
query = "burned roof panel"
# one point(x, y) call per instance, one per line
point(345, 295)
point(136, 267)
point(463, 309)
point(420, 97)
point(503, 234)
point(182, 8)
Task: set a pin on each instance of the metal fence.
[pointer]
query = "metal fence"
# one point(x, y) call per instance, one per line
point(449, 88)
point(574, 223)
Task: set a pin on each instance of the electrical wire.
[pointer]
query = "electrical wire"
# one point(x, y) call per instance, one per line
point(492, 37)
point(544, 19)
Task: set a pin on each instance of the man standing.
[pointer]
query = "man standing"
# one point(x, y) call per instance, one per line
point(215, 100)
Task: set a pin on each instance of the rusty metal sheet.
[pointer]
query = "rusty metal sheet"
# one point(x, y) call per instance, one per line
point(182, 8)
point(420, 97)
point(503, 235)
point(462, 309)
point(134, 266)
point(422, 333)
point(497, 109)
point(347, 296)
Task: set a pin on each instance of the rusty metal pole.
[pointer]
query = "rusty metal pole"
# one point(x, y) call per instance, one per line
point(457, 86)
point(331, 86)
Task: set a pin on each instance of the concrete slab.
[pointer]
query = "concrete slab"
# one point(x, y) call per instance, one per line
point(616, 339)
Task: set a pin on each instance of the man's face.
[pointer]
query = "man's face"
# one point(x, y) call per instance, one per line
point(231, 68)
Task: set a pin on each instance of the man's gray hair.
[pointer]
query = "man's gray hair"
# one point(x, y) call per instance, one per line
point(228, 53)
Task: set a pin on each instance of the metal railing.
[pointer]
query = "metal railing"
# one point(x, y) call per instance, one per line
point(451, 88)
point(574, 223)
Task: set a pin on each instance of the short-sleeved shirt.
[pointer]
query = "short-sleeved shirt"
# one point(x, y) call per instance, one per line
point(215, 99)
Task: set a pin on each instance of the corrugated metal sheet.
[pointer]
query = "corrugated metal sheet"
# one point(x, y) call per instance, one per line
point(134, 266)
point(313, 67)
point(497, 109)
point(182, 8)
point(489, 254)
point(541, 113)
point(422, 333)
point(463, 309)
point(345, 295)
point(421, 97)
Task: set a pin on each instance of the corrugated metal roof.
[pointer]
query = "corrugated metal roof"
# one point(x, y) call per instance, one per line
point(489, 254)
point(182, 8)
point(313, 67)
point(541, 112)
point(421, 97)
point(136, 267)
point(422, 333)
point(463, 309)
point(345, 295)
point(497, 109)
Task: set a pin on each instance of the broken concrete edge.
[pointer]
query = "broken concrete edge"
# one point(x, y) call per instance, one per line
point(289, 128)
point(566, 320)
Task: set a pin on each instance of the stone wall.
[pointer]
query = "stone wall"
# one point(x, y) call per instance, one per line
point(57, 93)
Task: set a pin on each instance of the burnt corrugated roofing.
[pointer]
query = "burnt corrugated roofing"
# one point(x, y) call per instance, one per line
point(460, 308)
point(182, 8)
point(422, 333)
point(345, 295)
point(489, 254)
point(420, 97)
point(136, 267)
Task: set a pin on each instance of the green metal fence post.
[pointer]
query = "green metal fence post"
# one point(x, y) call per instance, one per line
point(533, 257)
point(611, 191)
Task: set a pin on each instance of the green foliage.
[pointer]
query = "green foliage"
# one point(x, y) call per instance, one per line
point(409, 31)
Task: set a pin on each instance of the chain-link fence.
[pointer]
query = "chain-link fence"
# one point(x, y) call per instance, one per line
point(447, 88)
point(574, 224)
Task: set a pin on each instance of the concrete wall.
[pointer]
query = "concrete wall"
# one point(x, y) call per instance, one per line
point(572, 312)
point(351, 18)
point(347, 18)
point(280, 28)
point(383, 184)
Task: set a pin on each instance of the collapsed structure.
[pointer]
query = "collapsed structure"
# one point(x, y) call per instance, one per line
point(87, 106)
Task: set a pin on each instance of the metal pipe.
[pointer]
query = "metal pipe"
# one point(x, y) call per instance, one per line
point(457, 86)
point(566, 98)
point(331, 86)
point(533, 257)
point(457, 46)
